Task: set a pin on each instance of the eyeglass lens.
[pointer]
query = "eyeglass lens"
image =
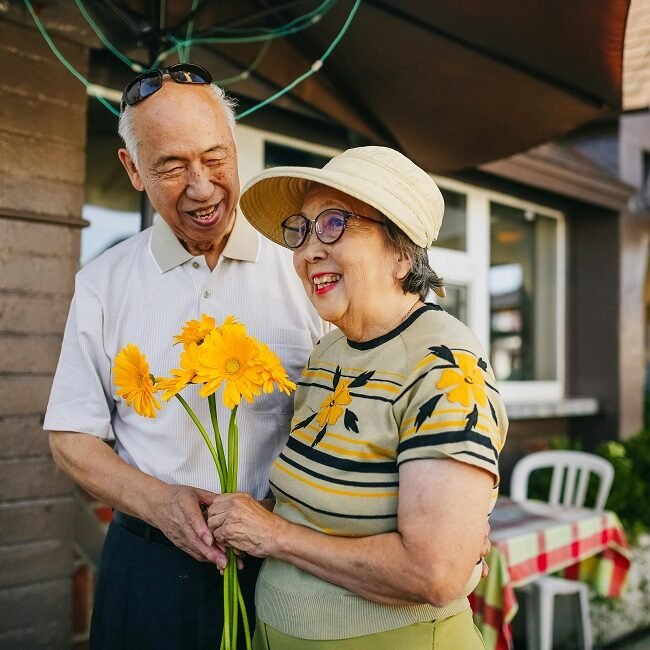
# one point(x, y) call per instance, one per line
point(329, 225)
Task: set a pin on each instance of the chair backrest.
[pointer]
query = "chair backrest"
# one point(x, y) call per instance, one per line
point(569, 480)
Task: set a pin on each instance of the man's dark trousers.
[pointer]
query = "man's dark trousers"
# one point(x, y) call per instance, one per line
point(150, 595)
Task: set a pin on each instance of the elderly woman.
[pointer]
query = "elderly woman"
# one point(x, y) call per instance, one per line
point(385, 484)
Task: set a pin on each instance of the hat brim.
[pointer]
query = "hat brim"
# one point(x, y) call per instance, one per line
point(279, 192)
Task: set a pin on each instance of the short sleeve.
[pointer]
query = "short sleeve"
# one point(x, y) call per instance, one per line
point(81, 398)
point(450, 408)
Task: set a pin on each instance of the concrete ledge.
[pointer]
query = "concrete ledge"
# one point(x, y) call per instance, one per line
point(565, 408)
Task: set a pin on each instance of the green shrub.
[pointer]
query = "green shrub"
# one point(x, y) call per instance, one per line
point(630, 494)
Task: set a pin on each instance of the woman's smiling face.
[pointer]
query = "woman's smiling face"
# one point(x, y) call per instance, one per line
point(346, 281)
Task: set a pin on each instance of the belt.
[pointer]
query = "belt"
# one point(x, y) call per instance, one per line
point(140, 528)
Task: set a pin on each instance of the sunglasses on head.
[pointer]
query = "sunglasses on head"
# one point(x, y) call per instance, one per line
point(148, 83)
point(329, 225)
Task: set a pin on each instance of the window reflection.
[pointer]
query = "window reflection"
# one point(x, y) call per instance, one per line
point(523, 294)
point(455, 302)
point(111, 205)
point(453, 232)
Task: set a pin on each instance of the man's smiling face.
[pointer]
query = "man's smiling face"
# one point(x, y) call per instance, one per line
point(187, 163)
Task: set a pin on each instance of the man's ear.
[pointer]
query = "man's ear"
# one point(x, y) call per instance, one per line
point(131, 169)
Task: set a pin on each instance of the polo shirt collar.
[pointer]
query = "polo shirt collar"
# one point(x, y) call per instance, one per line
point(243, 244)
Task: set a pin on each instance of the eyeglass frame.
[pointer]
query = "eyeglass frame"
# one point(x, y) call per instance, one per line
point(160, 73)
point(312, 225)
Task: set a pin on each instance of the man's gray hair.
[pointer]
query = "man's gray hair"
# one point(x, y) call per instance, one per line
point(127, 132)
point(421, 278)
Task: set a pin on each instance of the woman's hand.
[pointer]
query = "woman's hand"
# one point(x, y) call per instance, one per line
point(239, 521)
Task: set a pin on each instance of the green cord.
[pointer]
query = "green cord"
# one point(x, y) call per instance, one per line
point(286, 30)
point(188, 32)
point(316, 66)
point(63, 60)
point(340, 35)
point(182, 47)
point(229, 81)
point(136, 67)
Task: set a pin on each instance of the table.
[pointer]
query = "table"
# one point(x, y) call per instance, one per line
point(536, 539)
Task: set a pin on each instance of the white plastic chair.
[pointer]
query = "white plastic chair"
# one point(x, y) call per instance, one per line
point(569, 482)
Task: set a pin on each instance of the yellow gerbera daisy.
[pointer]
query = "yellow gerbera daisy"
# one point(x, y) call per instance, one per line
point(229, 355)
point(134, 381)
point(231, 323)
point(467, 380)
point(180, 376)
point(333, 406)
point(273, 371)
point(194, 331)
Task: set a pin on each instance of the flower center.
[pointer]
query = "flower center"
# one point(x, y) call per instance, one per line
point(469, 380)
point(232, 366)
point(140, 381)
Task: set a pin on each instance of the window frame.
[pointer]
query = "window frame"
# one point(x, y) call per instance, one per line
point(478, 255)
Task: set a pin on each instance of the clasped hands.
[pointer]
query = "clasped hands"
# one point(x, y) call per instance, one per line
point(249, 527)
point(244, 524)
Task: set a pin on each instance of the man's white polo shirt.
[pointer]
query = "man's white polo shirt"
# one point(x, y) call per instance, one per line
point(142, 291)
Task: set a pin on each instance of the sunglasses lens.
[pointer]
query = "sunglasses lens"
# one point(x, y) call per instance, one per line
point(186, 73)
point(330, 225)
point(294, 230)
point(142, 88)
point(146, 84)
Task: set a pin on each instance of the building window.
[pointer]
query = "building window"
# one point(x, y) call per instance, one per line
point(523, 294)
point(111, 205)
point(453, 231)
point(455, 302)
point(502, 261)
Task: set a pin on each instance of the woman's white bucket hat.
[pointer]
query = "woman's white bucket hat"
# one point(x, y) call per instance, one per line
point(378, 176)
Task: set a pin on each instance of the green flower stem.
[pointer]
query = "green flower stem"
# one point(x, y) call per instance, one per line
point(226, 605)
point(231, 578)
point(244, 618)
point(217, 439)
point(188, 408)
point(234, 588)
point(233, 451)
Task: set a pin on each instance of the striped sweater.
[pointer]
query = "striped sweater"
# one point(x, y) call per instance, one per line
point(424, 390)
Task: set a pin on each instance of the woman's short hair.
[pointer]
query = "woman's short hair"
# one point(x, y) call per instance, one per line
point(421, 278)
point(127, 131)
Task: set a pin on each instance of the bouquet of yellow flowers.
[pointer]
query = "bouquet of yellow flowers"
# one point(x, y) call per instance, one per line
point(212, 355)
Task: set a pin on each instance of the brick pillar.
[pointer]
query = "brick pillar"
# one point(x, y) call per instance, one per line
point(42, 155)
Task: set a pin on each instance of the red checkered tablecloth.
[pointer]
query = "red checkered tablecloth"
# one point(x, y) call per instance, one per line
point(536, 539)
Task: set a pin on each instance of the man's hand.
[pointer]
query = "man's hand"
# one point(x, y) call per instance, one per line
point(180, 517)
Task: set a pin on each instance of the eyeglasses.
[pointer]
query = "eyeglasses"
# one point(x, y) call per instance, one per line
point(148, 83)
point(329, 225)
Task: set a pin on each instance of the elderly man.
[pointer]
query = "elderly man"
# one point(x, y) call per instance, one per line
point(158, 585)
